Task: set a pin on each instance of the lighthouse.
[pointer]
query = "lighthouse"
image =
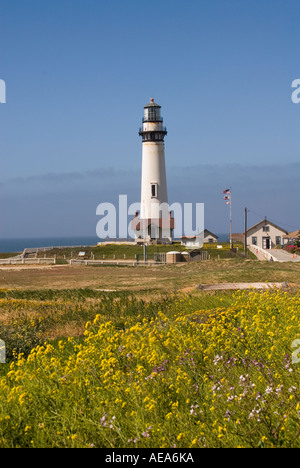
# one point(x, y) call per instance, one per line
point(154, 223)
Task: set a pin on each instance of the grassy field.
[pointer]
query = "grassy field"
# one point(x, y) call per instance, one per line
point(108, 370)
point(131, 252)
point(149, 278)
point(137, 357)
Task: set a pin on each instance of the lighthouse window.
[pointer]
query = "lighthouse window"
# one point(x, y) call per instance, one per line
point(153, 114)
point(154, 190)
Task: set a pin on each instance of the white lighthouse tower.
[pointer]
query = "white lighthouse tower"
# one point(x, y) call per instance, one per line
point(155, 224)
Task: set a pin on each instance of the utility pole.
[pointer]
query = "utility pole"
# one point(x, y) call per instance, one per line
point(246, 228)
point(230, 221)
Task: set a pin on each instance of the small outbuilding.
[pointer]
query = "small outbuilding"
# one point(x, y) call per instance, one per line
point(210, 237)
point(192, 242)
point(291, 237)
point(173, 257)
point(196, 242)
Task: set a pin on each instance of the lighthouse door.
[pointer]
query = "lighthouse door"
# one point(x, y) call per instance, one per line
point(154, 231)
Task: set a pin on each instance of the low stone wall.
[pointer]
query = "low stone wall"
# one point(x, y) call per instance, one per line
point(262, 254)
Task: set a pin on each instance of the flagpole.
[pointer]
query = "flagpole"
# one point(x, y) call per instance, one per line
point(228, 202)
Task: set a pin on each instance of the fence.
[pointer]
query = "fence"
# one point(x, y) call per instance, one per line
point(198, 256)
point(30, 257)
point(160, 258)
point(102, 262)
point(28, 261)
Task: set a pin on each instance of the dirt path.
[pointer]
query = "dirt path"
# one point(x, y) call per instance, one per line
point(240, 286)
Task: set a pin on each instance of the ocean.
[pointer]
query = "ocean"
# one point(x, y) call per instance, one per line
point(18, 245)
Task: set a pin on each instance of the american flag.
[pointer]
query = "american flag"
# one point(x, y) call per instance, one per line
point(227, 196)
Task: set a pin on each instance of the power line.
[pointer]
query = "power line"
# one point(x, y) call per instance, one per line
point(273, 221)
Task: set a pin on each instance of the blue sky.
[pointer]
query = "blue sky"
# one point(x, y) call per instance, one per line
point(78, 73)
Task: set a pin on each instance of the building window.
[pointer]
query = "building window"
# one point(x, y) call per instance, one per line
point(154, 190)
point(254, 240)
point(278, 240)
point(266, 228)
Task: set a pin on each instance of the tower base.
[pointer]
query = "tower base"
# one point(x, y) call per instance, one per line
point(153, 231)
